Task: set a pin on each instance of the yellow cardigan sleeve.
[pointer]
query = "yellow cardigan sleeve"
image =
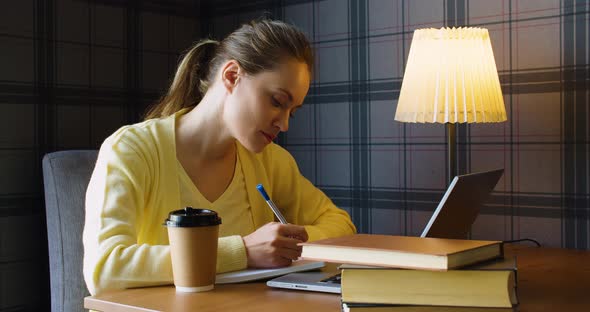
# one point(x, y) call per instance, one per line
point(113, 259)
point(303, 203)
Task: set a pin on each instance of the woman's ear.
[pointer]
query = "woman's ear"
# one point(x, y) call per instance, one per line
point(230, 75)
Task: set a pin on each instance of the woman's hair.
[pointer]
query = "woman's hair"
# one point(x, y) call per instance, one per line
point(260, 45)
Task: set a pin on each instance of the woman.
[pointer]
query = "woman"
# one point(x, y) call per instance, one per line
point(207, 144)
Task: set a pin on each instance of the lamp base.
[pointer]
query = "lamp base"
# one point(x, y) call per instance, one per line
point(451, 151)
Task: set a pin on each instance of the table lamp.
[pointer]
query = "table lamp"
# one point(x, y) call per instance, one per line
point(451, 77)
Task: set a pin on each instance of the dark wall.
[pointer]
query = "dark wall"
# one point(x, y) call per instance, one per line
point(71, 72)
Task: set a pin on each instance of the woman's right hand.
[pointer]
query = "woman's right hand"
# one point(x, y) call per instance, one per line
point(274, 245)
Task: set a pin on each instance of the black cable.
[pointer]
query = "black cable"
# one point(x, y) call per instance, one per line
point(522, 240)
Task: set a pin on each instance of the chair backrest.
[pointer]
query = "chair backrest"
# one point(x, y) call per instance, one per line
point(66, 175)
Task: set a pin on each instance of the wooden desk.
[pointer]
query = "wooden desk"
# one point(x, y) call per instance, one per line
point(548, 280)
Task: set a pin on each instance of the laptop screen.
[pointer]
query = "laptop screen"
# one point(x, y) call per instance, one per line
point(460, 204)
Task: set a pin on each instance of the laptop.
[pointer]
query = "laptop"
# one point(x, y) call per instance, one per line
point(452, 218)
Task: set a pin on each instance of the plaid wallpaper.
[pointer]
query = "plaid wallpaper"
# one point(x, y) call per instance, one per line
point(73, 71)
point(390, 175)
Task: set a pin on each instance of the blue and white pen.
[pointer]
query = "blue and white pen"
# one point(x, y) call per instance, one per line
point(272, 206)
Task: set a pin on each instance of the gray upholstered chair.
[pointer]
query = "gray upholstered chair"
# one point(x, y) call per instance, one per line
point(66, 175)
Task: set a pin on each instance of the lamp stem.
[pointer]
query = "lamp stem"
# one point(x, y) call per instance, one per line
point(452, 151)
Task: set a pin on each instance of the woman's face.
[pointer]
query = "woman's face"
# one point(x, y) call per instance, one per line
point(260, 105)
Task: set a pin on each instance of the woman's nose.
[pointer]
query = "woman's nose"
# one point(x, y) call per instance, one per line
point(282, 122)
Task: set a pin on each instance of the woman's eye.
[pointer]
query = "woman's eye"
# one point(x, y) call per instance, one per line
point(275, 103)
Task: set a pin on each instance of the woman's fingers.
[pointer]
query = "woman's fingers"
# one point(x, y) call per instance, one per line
point(291, 230)
point(290, 254)
point(274, 244)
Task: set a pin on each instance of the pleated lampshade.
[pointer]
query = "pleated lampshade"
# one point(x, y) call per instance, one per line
point(451, 77)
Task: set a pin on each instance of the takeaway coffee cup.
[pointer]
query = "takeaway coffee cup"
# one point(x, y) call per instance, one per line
point(193, 237)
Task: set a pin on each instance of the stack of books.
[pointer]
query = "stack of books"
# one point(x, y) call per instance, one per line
point(401, 273)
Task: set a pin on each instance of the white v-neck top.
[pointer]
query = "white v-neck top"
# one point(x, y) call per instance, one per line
point(232, 206)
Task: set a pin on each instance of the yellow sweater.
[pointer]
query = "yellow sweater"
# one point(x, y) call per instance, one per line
point(135, 184)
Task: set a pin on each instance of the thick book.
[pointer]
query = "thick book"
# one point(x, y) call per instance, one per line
point(352, 307)
point(487, 285)
point(402, 251)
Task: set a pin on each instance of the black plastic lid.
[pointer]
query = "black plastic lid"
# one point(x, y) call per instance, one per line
point(189, 217)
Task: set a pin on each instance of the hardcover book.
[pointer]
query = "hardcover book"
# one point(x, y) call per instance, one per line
point(401, 251)
point(351, 307)
point(487, 285)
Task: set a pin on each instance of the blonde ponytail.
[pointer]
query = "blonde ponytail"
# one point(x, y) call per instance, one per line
point(190, 81)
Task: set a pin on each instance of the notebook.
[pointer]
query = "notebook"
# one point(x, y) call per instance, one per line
point(452, 218)
point(257, 274)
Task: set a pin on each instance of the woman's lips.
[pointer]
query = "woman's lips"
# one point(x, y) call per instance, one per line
point(267, 136)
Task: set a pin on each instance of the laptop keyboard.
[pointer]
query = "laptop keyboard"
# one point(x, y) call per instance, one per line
point(334, 279)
